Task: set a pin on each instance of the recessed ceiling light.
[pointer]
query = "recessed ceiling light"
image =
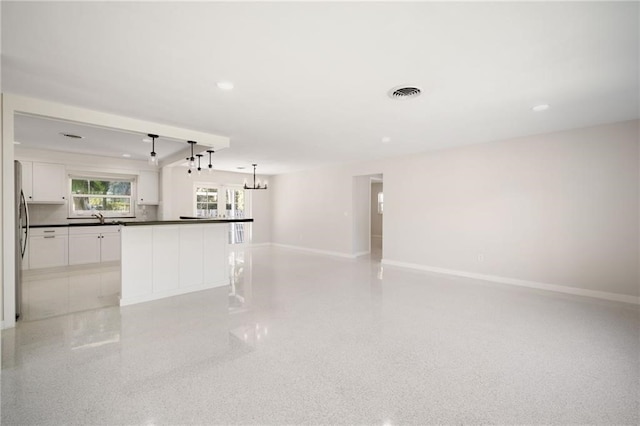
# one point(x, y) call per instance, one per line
point(16, 143)
point(541, 107)
point(126, 155)
point(72, 136)
point(147, 140)
point(386, 139)
point(225, 85)
point(241, 167)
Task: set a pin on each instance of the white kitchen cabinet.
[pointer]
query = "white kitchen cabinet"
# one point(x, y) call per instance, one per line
point(48, 247)
point(27, 180)
point(166, 245)
point(137, 263)
point(147, 188)
point(191, 259)
point(49, 183)
point(93, 244)
point(160, 261)
point(84, 248)
point(215, 254)
point(110, 247)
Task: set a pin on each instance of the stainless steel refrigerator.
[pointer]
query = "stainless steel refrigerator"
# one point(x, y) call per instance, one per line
point(22, 233)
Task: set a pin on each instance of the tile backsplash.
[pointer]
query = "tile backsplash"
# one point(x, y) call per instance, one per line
point(53, 214)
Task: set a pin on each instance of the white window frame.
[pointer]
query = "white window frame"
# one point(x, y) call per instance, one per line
point(109, 177)
point(222, 204)
point(195, 197)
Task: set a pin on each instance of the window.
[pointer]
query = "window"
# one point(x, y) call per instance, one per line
point(235, 209)
point(235, 203)
point(224, 201)
point(380, 202)
point(111, 197)
point(206, 202)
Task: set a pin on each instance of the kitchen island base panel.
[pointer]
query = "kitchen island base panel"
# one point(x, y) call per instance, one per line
point(161, 261)
point(171, 293)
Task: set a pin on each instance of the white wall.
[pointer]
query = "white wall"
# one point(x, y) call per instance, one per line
point(361, 216)
point(178, 197)
point(559, 208)
point(313, 209)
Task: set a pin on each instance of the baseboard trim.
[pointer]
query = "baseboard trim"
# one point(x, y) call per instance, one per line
point(517, 282)
point(361, 253)
point(252, 245)
point(316, 251)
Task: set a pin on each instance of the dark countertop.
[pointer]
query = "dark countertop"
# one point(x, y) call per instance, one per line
point(183, 220)
point(58, 225)
point(186, 220)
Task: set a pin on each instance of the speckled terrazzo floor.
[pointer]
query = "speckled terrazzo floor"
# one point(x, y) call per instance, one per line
point(309, 339)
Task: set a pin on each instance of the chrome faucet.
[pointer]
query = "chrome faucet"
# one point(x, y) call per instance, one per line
point(100, 217)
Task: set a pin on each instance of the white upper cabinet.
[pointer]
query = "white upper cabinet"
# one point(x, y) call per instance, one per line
point(147, 188)
point(49, 183)
point(27, 180)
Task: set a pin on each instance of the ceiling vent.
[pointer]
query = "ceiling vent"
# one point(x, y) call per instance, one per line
point(404, 92)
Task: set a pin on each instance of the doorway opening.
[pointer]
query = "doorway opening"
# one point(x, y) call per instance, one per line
point(376, 215)
point(368, 208)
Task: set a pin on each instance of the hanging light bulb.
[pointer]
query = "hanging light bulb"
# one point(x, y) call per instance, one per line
point(199, 168)
point(210, 151)
point(192, 159)
point(153, 158)
point(189, 174)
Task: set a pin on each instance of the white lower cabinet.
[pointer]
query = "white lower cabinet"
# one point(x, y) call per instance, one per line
point(191, 256)
point(215, 267)
point(48, 247)
point(110, 246)
point(166, 249)
point(84, 248)
point(93, 244)
point(137, 263)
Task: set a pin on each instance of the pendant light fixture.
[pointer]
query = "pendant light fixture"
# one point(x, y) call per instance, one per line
point(256, 184)
point(153, 158)
point(192, 159)
point(199, 168)
point(210, 151)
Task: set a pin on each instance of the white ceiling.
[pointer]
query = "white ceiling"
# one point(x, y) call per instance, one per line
point(311, 79)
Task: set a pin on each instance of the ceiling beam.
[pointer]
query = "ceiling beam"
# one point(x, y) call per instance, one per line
point(38, 107)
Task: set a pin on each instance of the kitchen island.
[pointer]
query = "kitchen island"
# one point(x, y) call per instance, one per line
point(171, 257)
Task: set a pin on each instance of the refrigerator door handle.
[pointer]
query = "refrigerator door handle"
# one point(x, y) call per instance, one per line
point(26, 234)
